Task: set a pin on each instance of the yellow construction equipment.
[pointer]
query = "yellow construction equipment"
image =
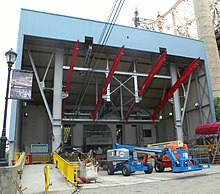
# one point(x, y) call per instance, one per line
point(177, 143)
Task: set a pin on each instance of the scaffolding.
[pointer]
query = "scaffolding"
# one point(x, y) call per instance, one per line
point(210, 139)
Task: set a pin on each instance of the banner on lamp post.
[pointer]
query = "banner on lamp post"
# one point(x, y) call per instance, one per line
point(21, 84)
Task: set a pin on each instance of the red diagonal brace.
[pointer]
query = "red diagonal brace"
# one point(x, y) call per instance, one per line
point(130, 109)
point(107, 81)
point(147, 81)
point(72, 63)
point(150, 77)
point(70, 72)
point(184, 75)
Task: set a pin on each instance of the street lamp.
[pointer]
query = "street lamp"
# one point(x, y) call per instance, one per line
point(11, 58)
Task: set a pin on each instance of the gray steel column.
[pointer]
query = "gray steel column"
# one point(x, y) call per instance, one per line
point(176, 105)
point(121, 102)
point(57, 99)
point(137, 98)
point(107, 95)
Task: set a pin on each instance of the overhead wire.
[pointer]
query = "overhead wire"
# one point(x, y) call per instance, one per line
point(104, 37)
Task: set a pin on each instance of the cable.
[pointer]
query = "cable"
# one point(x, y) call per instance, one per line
point(106, 32)
point(87, 79)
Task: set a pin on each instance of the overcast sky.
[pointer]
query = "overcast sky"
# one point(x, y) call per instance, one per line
point(90, 9)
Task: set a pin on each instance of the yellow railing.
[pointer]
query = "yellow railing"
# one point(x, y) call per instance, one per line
point(16, 156)
point(204, 146)
point(69, 169)
point(211, 147)
point(47, 182)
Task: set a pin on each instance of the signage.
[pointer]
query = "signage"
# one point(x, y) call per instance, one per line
point(21, 84)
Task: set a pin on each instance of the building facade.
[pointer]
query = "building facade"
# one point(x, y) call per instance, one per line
point(105, 87)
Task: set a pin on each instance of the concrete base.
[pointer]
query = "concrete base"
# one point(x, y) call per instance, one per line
point(10, 176)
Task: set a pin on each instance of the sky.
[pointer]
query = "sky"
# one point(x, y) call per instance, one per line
point(88, 9)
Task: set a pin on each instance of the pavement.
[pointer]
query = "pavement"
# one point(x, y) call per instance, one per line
point(33, 179)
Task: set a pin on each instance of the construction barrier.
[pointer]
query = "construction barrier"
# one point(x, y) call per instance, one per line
point(16, 156)
point(68, 169)
point(33, 158)
point(39, 158)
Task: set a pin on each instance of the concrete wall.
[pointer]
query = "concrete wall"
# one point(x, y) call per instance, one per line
point(149, 140)
point(35, 127)
point(78, 134)
point(132, 134)
point(113, 130)
point(10, 175)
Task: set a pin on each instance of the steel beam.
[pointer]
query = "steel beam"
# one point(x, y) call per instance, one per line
point(47, 69)
point(40, 87)
point(176, 104)
point(185, 74)
point(72, 63)
point(116, 72)
point(150, 77)
point(147, 81)
point(186, 99)
point(57, 99)
point(70, 72)
point(107, 81)
point(106, 121)
point(130, 109)
point(137, 99)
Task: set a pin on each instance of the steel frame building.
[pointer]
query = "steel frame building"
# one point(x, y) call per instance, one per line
point(131, 81)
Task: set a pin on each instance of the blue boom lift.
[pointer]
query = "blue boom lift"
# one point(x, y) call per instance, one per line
point(125, 158)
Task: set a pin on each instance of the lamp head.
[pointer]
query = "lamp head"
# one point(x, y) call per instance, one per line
point(11, 56)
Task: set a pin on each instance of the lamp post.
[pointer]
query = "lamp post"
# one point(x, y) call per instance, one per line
point(11, 58)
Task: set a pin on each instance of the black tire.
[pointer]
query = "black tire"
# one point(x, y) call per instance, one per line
point(159, 167)
point(150, 168)
point(110, 169)
point(126, 170)
point(194, 162)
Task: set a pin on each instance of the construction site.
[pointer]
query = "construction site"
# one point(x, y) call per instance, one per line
point(101, 107)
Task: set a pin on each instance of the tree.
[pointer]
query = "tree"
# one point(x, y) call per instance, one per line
point(217, 108)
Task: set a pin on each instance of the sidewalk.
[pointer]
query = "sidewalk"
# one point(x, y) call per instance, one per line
point(33, 179)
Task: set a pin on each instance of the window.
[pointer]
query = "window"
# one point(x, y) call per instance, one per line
point(147, 133)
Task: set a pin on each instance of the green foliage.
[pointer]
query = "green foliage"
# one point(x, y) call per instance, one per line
point(217, 108)
point(66, 133)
